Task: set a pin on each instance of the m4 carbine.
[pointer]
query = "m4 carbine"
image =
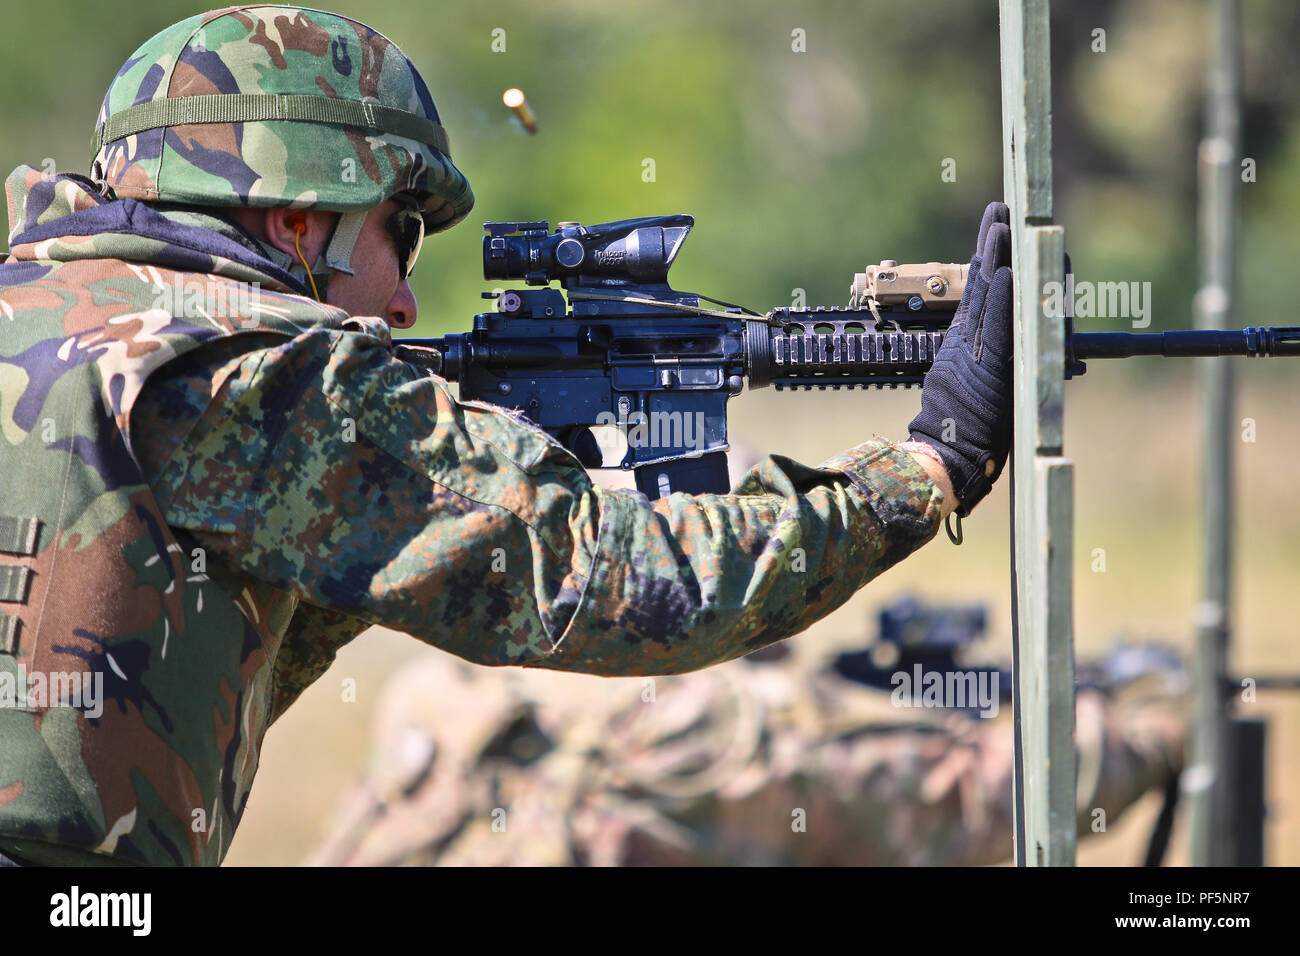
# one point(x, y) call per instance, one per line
point(619, 347)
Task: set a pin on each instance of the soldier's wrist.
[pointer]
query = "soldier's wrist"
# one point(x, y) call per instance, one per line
point(928, 458)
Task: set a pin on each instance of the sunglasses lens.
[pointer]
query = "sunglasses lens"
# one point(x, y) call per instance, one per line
point(407, 229)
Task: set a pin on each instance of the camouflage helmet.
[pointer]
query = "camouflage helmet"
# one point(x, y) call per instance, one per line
point(276, 106)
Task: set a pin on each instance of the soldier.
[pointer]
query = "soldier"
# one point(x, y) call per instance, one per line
point(770, 760)
point(218, 469)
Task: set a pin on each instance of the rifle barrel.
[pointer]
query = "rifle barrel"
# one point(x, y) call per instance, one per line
point(1258, 342)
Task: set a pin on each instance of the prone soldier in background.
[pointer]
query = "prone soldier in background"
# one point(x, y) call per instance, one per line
point(776, 759)
point(218, 470)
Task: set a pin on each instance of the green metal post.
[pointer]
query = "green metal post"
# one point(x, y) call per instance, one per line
point(1208, 779)
point(1043, 480)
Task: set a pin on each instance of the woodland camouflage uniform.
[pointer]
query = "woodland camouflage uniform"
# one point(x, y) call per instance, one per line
point(205, 497)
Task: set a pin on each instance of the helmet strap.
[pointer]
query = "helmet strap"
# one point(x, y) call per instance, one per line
point(294, 266)
point(337, 256)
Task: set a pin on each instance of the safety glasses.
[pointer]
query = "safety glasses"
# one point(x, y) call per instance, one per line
point(406, 226)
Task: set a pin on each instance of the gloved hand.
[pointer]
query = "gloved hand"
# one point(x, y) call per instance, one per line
point(966, 397)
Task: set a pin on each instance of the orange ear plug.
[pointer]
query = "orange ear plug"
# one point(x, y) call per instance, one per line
point(299, 223)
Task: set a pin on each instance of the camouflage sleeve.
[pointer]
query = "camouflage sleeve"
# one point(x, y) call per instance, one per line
point(327, 467)
point(309, 647)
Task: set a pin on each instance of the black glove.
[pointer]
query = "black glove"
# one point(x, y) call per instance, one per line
point(966, 398)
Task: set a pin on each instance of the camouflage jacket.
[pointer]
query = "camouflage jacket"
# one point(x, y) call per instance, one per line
point(212, 482)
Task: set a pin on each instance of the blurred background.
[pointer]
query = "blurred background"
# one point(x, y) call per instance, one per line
point(800, 168)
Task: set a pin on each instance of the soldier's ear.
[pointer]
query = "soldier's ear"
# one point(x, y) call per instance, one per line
point(291, 230)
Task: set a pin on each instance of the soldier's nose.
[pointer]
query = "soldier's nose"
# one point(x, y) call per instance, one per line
point(401, 310)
